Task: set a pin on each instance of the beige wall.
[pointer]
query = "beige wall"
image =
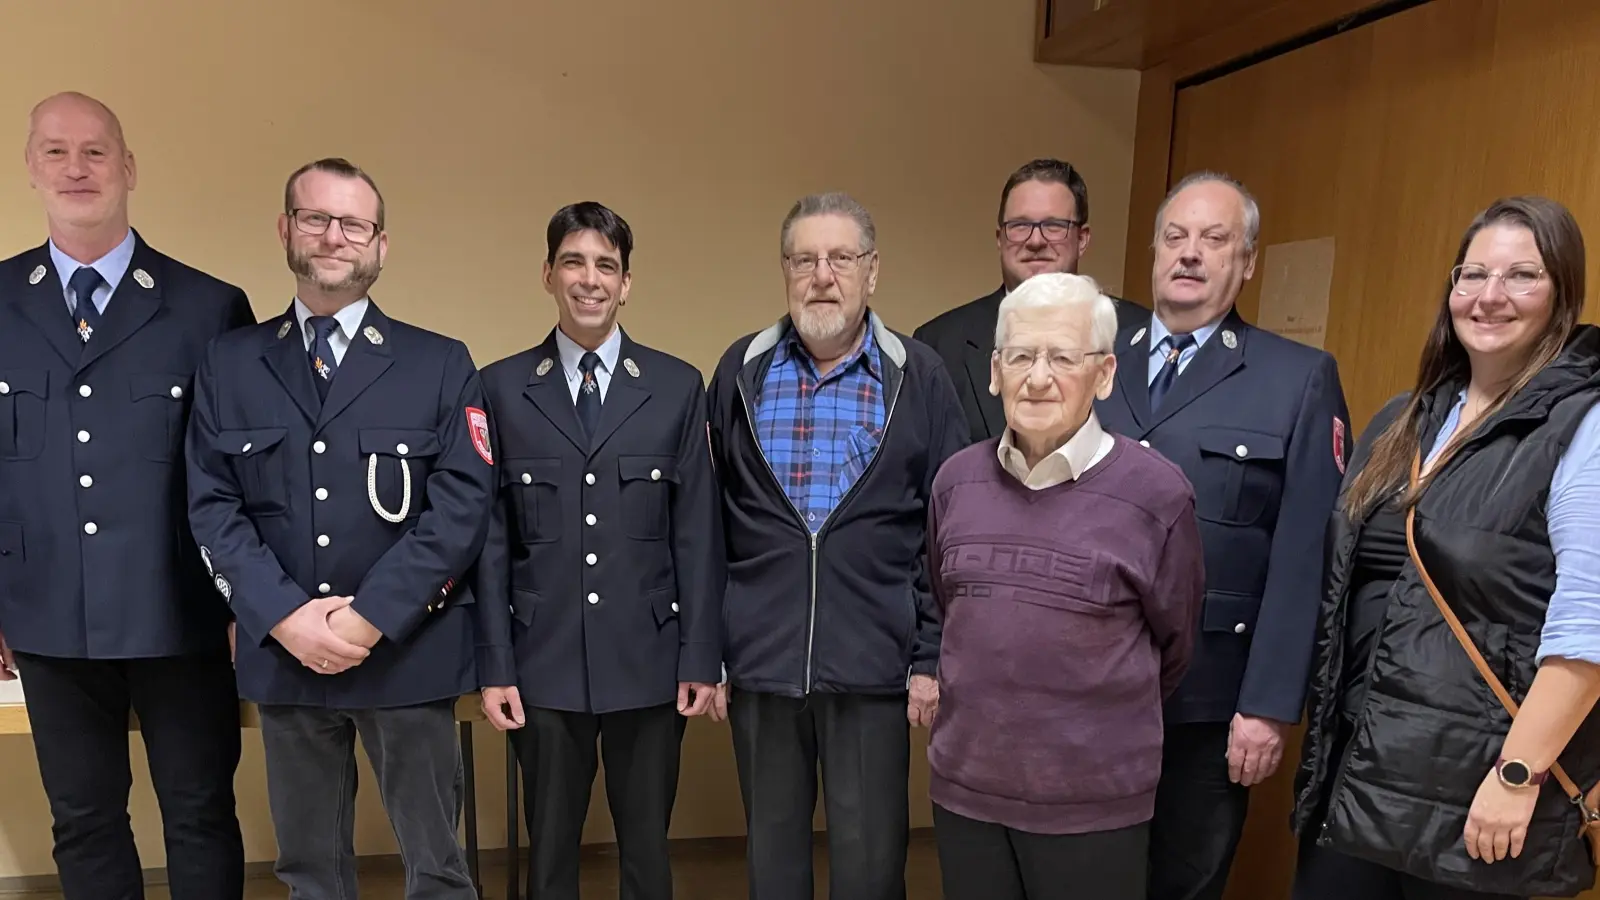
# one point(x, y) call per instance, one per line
point(699, 120)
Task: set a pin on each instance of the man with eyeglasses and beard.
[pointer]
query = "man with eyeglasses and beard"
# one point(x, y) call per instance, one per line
point(340, 480)
point(827, 429)
point(1043, 227)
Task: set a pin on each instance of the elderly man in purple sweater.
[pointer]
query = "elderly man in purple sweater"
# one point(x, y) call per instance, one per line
point(1069, 572)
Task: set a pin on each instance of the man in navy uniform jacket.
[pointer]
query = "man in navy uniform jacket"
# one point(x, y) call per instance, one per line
point(340, 475)
point(104, 604)
point(1258, 423)
point(603, 569)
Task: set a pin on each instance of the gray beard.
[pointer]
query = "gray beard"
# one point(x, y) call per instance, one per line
point(821, 326)
point(362, 275)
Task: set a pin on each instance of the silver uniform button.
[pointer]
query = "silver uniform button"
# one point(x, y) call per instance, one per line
point(86, 481)
point(674, 606)
point(84, 390)
point(590, 519)
point(655, 474)
point(594, 598)
point(90, 528)
point(526, 478)
point(1144, 443)
point(319, 446)
point(177, 392)
point(1241, 451)
point(402, 449)
point(246, 448)
point(83, 437)
point(589, 478)
point(322, 493)
point(4, 388)
point(325, 588)
point(322, 540)
point(591, 559)
point(1239, 628)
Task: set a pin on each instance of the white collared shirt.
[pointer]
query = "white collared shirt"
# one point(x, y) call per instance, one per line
point(349, 320)
point(572, 353)
point(1066, 463)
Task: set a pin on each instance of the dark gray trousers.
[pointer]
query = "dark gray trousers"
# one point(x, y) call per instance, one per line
point(311, 787)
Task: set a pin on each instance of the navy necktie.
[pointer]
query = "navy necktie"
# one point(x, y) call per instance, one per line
point(1175, 344)
point(589, 394)
point(85, 315)
point(323, 364)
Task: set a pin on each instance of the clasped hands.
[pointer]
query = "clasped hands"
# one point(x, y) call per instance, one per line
point(327, 636)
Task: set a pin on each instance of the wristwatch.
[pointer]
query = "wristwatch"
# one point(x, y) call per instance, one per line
point(1515, 774)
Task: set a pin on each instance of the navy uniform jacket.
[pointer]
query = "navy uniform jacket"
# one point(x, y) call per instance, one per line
point(96, 560)
point(283, 490)
point(964, 338)
point(1260, 429)
point(607, 556)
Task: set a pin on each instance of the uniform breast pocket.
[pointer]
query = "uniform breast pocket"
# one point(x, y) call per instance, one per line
point(398, 463)
point(535, 488)
point(1241, 475)
point(22, 409)
point(647, 495)
point(160, 401)
point(260, 465)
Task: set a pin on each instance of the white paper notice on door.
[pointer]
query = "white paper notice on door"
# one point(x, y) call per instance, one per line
point(1295, 285)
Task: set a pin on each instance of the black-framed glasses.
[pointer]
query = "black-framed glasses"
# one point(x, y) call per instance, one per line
point(316, 222)
point(1061, 361)
point(841, 263)
point(1470, 279)
point(1020, 231)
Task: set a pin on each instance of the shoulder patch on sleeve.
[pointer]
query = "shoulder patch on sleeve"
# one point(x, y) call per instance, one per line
point(1338, 443)
point(478, 427)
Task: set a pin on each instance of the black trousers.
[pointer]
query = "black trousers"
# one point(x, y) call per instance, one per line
point(188, 712)
point(640, 748)
point(863, 744)
point(1325, 874)
point(985, 861)
point(1199, 815)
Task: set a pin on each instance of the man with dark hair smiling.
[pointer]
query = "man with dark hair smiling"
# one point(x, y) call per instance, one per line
point(603, 569)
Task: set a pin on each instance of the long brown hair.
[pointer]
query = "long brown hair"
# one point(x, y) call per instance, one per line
point(1444, 359)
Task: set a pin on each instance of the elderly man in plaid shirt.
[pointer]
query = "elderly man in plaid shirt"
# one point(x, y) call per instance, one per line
point(827, 430)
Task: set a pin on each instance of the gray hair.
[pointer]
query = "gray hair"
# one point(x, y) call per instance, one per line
point(1062, 290)
point(1252, 212)
point(830, 204)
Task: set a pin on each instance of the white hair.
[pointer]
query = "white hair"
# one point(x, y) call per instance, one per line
point(1252, 212)
point(1063, 290)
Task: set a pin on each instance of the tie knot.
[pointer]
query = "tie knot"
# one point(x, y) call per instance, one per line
point(1179, 342)
point(589, 363)
point(84, 281)
point(323, 326)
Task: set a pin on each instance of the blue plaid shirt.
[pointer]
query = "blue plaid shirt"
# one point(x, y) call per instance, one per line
point(820, 433)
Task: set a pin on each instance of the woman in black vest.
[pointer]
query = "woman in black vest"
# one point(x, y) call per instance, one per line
point(1414, 782)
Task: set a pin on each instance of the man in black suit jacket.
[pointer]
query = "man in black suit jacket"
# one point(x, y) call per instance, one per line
point(105, 606)
point(1258, 423)
point(603, 568)
point(1043, 227)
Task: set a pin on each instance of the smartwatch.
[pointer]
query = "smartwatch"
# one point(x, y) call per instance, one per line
point(1515, 774)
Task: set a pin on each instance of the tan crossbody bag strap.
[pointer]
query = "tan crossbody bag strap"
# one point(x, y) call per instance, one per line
point(1587, 805)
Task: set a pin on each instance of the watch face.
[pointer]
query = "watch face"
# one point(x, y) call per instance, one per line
point(1515, 772)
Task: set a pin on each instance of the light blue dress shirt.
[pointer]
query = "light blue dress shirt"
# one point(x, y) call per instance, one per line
point(1158, 354)
point(111, 267)
point(572, 353)
point(1572, 623)
point(349, 320)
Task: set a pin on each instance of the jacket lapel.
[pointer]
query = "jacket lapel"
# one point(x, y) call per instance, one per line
point(1133, 375)
point(547, 390)
point(44, 303)
point(1214, 362)
point(286, 357)
point(367, 358)
point(626, 393)
point(131, 304)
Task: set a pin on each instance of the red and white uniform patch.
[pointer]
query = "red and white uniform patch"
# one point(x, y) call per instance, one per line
point(1338, 443)
point(478, 427)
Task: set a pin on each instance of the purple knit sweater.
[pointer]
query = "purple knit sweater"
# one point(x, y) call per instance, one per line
point(1069, 616)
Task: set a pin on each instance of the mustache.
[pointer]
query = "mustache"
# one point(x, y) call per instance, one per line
point(1183, 271)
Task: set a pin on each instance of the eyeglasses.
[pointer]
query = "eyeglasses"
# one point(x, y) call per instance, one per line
point(840, 263)
point(1519, 281)
point(1020, 231)
point(1062, 362)
point(315, 222)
